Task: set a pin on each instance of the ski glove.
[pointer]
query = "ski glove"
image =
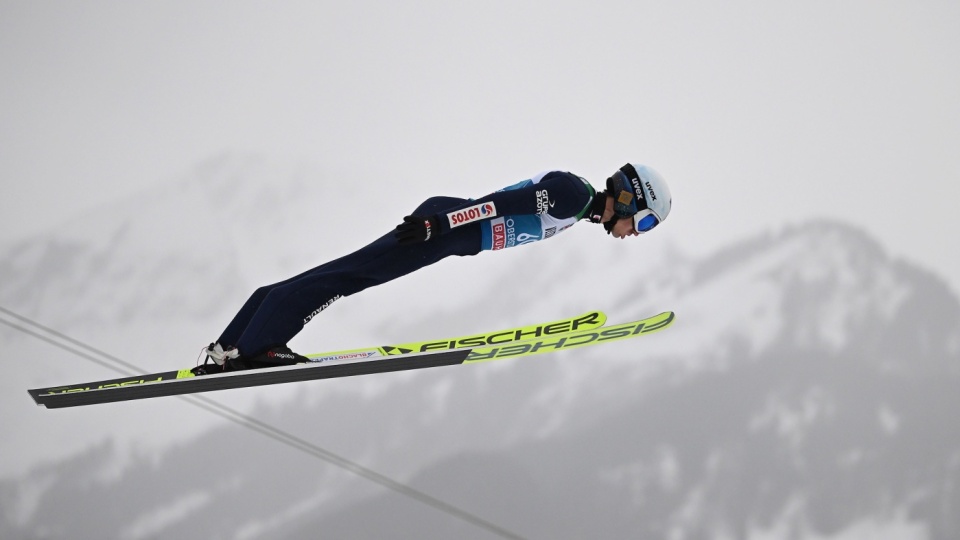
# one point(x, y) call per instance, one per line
point(416, 229)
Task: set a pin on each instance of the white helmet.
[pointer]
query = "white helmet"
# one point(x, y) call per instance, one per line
point(640, 192)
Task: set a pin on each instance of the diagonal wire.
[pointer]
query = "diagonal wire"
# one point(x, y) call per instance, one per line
point(90, 353)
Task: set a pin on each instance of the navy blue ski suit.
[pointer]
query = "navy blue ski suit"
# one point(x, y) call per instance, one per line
point(531, 210)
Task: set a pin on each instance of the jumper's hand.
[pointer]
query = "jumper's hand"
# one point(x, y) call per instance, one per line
point(416, 229)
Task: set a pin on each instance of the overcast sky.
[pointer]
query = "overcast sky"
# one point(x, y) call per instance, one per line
point(759, 114)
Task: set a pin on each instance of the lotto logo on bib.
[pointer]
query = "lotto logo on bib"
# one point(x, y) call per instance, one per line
point(499, 234)
point(474, 213)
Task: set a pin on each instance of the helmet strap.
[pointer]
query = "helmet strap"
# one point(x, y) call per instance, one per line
point(597, 207)
point(608, 225)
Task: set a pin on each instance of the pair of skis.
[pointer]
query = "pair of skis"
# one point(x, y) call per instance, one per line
point(585, 330)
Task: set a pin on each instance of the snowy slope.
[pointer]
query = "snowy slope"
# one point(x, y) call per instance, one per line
point(806, 386)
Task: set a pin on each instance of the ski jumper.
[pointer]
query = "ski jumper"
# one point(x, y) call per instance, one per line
point(531, 210)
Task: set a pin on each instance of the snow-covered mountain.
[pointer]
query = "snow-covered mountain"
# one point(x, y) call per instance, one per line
point(806, 390)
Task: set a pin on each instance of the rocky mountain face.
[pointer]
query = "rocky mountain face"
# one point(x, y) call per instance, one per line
point(807, 390)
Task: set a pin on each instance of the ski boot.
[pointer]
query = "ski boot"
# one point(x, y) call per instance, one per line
point(275, 357)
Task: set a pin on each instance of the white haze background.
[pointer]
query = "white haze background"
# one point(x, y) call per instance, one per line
point(758, 113)
point(125, 129)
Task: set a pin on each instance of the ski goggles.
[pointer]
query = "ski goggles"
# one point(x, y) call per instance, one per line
point(645, 220)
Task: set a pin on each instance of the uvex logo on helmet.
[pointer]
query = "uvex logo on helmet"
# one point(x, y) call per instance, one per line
point(636, 187)
point(656, 191)
point(653, 194)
